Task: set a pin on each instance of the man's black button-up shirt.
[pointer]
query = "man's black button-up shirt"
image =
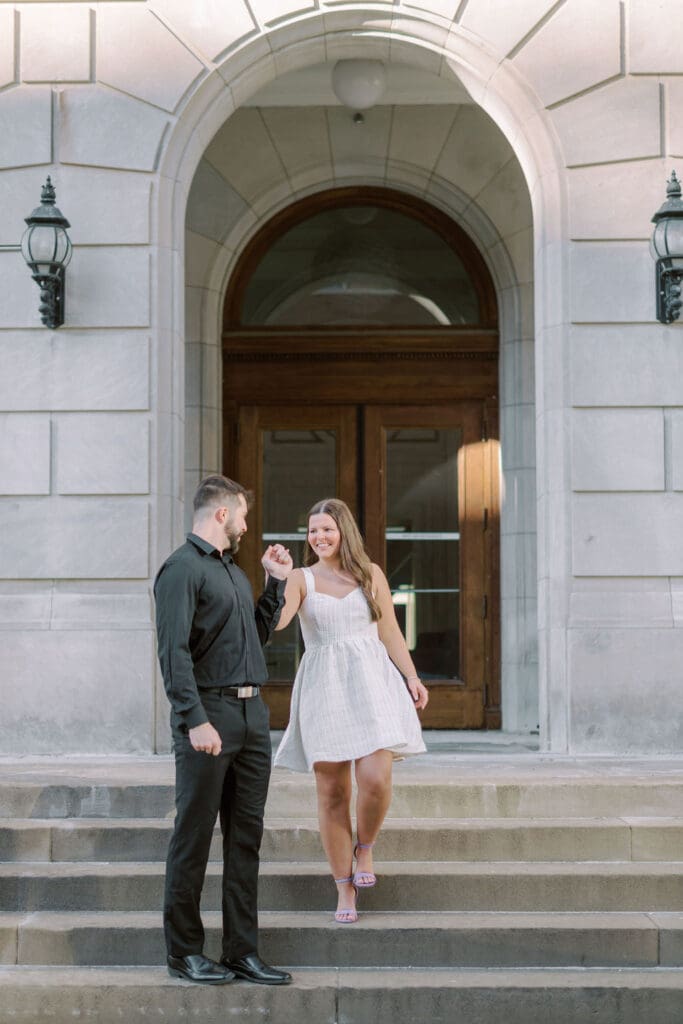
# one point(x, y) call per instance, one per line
point(208, 631)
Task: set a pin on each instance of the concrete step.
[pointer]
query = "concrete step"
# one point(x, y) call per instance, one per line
point(146, 839)
point(562, 877)
point(376, 940)
point(412, 885)
point(83, 800)
point(347, 996)
point(529, 789)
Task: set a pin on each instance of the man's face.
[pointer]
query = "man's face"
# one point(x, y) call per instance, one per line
point(235, 523)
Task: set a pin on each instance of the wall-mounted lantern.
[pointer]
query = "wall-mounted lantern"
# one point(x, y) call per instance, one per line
point(46, 247)
point(667, 249)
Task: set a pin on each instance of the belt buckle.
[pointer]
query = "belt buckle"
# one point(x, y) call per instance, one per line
point(245, 691)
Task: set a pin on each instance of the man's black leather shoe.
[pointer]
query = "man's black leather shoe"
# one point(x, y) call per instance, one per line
point(252, 968)
point(200, 969)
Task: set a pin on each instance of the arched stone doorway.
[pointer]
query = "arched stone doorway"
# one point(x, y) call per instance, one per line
point(491, 200)
point(360, 359)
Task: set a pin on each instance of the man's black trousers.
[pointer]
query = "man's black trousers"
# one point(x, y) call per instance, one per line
point(233, 785)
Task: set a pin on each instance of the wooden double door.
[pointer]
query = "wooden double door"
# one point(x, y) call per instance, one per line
point(422, 480)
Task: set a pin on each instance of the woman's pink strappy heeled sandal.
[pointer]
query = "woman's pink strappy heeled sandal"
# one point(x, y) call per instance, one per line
point(363, 879)
point(346, 915)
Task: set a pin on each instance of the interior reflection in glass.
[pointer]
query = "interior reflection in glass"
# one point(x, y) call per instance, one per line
point(360, 265)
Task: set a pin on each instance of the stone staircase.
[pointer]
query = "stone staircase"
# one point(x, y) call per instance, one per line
point(522, 888)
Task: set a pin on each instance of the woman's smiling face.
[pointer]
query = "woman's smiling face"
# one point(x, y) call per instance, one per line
point(323, 535)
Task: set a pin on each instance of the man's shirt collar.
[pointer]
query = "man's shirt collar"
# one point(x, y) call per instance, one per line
point(208, 549)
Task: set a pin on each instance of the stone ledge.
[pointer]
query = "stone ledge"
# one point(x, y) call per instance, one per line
point(108, 995)
point(520, 887)
point(389, 939)
point(469, 839)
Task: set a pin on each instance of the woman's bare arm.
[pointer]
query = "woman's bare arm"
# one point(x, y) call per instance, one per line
point(295, 592)
point(391, 636)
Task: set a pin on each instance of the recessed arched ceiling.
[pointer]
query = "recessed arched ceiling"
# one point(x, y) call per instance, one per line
point(265, 156)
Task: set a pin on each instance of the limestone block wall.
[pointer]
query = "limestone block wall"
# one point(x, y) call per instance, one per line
point(119, 102)
point(78, 435)
point(620, 140)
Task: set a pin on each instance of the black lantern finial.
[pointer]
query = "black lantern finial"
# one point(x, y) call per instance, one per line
point(667, 249)
point(47, 192)
point(46, 247)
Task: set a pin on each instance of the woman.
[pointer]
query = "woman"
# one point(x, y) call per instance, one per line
point(349, 702)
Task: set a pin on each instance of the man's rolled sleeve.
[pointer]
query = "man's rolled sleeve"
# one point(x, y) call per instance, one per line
point(175, 591)
point(268, 608)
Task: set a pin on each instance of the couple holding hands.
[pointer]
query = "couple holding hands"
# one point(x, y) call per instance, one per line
point(354, 700)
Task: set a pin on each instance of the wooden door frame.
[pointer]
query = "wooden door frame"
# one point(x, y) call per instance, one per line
point(464, 701)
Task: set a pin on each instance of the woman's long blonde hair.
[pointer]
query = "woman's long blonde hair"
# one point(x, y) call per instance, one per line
point(352, 554)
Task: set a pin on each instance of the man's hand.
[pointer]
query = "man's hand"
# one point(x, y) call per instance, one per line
point(277, 561)
point(205, 739)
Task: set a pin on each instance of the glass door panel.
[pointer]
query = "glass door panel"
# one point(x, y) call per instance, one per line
point(423, 544)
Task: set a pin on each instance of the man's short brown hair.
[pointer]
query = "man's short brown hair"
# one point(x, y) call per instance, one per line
point(216, 490)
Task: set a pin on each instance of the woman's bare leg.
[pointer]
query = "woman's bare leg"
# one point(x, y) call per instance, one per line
point(333, 784)
point(373, 778)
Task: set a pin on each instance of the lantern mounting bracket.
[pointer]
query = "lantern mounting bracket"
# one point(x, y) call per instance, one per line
point(667, 249)
point(668, 281)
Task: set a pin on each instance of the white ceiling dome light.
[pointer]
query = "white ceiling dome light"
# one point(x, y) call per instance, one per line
point(359, 84)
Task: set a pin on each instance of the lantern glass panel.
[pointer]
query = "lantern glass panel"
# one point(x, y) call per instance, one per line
point(46, 247)
point(667, 238)
point(674, 237)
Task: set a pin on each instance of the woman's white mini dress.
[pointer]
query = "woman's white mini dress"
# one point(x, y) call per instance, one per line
point(348, 698)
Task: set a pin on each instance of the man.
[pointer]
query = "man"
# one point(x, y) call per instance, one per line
point(210, 639)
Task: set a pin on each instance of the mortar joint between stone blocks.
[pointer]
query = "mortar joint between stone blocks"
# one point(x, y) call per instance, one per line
point(93, 45)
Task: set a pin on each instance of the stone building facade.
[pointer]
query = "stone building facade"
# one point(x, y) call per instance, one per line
point(174, 132)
